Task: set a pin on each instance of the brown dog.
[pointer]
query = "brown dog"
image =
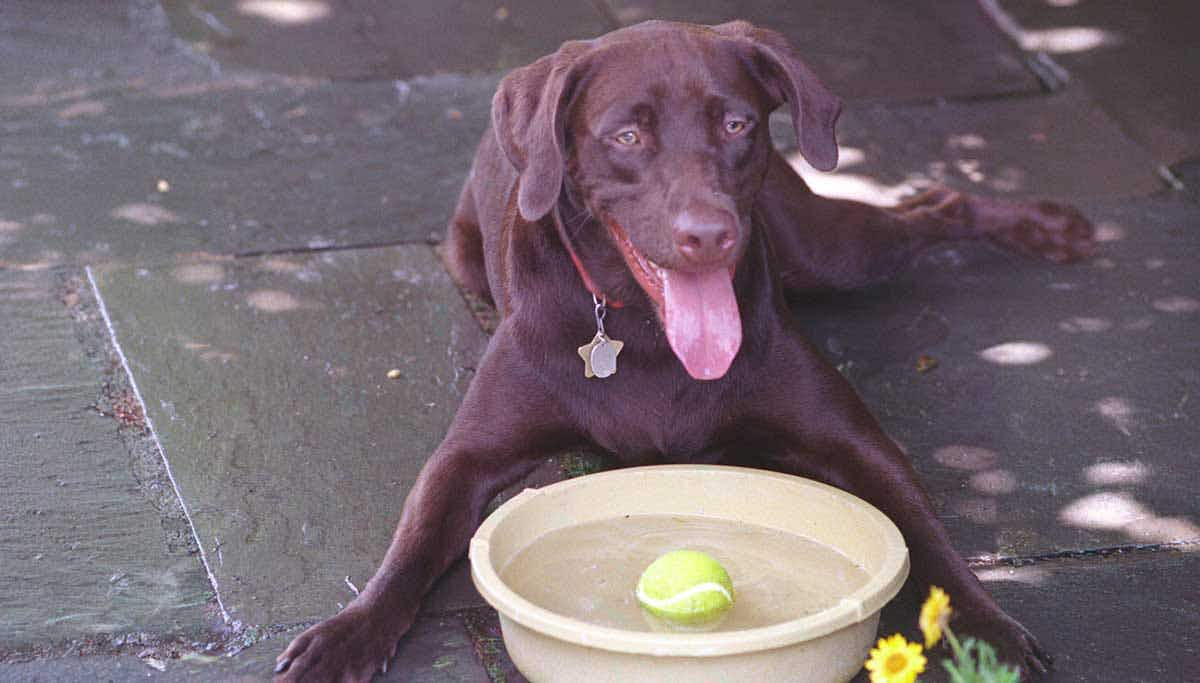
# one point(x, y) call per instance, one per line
point(639, 166)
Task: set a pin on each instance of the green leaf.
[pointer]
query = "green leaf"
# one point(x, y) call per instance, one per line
point(956, 676)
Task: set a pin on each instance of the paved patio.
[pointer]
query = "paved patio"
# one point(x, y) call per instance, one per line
point(218, 229)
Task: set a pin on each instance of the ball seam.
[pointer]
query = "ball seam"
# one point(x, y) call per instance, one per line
point(666, 603)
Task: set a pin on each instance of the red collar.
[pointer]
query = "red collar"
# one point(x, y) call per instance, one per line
point(583, 273)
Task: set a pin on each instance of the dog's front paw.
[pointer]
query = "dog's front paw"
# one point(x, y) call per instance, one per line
point(349, 647)
point(1014, 644)
point(1057, 232)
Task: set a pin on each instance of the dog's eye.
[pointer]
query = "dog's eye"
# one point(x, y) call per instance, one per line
point(736, 126)
point(628, 138)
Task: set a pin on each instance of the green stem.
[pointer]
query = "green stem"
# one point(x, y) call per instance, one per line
point(959, 654)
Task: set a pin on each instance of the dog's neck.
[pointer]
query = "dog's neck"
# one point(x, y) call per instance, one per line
point(598, 262)
point(598, 295)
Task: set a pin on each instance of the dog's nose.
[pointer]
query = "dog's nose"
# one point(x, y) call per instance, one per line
point(705, 235)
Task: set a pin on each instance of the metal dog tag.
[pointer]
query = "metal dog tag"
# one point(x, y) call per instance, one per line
point(600, 356)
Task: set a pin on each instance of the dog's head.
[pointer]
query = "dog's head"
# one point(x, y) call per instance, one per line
point(660, 132)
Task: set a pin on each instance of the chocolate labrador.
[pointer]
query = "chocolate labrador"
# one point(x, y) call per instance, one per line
point(638, 233)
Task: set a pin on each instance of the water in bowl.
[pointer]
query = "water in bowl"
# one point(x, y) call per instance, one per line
point(589, 572)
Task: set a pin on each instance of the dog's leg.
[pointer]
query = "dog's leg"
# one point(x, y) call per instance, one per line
point(819, 428)
point(831, 244)
point(503, 426)
point(463, 252)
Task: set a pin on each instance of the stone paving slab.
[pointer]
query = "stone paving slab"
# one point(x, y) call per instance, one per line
point(1062, 412)
point(1134, 619)
point(252, 162)
point(53, 50)
point(373, 40)
point(1142, 64)
point(127, 667)
point(1060, 145)
point(266, 379)
point(437, 650)
point(874, 50)
point(234, 166)
point(86, 554)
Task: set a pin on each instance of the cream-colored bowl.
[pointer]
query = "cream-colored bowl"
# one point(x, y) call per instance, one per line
point(830, 645)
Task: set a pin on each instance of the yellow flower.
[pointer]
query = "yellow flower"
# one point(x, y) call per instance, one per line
point(895, 660)
point(934, 615)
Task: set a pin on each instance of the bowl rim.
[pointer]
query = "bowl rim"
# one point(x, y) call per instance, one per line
point(859, 605)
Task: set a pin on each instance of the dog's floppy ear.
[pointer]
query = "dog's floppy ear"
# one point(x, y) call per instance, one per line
point(814, 109)
point(528, 113)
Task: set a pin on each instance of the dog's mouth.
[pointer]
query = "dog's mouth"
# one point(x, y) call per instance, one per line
point(698, 310)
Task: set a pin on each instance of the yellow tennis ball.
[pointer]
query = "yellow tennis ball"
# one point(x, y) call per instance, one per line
point(685, 587)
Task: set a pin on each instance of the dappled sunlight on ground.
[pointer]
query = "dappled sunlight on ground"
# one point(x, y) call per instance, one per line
point(1118, 412)
point(858, 188)
point(288, 12)
point(45, 261)
point(1085, 324)
point(200, 273)
point(82, 109)
point(144, 214)
point(1016, 353)
point(994, 482)
point(1104, 510)
point(1118, 489)
point(1108, 231)
point(280, 265)
point(1176, 304)
point(1116, 473)
point(211, 355)
point(277, 301)
point(1029, 574)
point(1067, 39)
point(987, 480)
point(962, 457)
point(1119, 511)
point(965, 159)
point(841, 185)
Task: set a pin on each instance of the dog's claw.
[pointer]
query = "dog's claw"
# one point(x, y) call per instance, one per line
point(1015, 645)
point(355, 644)
point(1039, 660)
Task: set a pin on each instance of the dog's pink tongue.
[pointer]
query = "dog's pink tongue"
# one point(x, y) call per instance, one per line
point(701, 317)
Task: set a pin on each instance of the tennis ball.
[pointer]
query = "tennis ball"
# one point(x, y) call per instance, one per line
point(685, 587)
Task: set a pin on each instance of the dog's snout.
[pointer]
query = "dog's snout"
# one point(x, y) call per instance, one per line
point(705, 235)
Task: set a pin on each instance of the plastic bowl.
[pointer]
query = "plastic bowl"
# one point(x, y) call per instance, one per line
point(830, 645)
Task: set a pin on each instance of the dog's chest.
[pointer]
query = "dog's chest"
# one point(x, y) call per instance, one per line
point(649, 424)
